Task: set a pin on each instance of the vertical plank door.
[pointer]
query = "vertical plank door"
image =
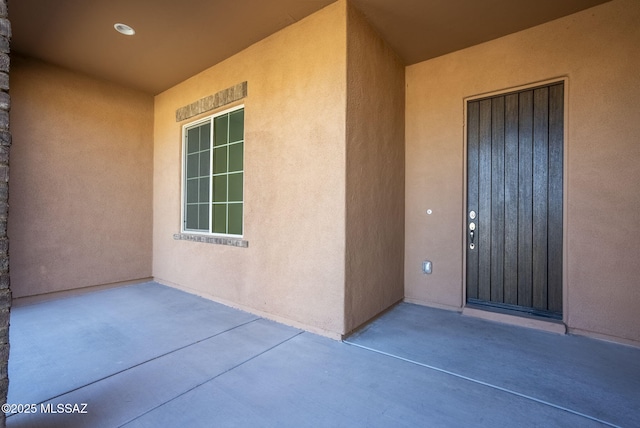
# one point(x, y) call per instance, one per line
point(515, 153)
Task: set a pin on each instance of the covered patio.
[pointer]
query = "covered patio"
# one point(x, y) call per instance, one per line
point(147, 355)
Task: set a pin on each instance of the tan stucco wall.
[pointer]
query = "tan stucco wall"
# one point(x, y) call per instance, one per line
point(597, 50)
point(293, 269)
point(375, 174)
point(81, 168)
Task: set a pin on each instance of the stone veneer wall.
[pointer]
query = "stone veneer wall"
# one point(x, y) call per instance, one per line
point(5, 142)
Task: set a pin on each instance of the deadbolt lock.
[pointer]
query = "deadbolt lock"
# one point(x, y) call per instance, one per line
point(472, 235)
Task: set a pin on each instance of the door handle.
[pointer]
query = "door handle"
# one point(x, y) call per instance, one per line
point(472, 234)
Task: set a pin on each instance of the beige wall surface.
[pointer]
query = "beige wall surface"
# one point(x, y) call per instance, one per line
point(81, 169)
point(293, 269)
point(375, 174)
point(597, 50)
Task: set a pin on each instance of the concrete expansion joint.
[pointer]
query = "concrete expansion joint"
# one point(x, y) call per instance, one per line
point(160, 356)
point(241, 363)
point(480, 382)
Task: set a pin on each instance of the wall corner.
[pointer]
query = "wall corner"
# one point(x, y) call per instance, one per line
point(5, 143)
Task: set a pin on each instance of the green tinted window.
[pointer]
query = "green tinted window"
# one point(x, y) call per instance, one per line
point(203, 191)
point(219, 218)
point(220, 160)
point(236, 126)
point(221, 130)
point(191, 216)
point(235, 219)
point(235, 157)
point(193, 140)
point(205, 136)
point(192, 191)
point(192, 165)
point(205, 159)
point(203, 216)
point(214, 175)
point(235, 187)
point(220, 188)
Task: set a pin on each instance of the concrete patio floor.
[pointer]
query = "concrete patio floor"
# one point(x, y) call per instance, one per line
point(147, 355)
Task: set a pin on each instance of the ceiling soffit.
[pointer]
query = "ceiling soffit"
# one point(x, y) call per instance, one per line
point(177, 39)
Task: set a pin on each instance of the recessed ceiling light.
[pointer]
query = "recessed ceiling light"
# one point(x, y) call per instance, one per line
point(124, 29)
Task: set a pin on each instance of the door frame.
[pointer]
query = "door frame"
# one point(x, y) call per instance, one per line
point(565, 195)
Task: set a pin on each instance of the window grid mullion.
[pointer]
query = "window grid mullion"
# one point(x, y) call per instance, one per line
point(210, 175)
point(210, 203)
point(227, 151)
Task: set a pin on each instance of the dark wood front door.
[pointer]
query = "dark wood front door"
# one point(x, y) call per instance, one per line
point(514, 200)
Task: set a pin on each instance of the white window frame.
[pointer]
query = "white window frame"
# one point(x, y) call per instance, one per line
point(183, 184)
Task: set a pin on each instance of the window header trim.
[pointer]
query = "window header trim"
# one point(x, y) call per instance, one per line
point(212, 102)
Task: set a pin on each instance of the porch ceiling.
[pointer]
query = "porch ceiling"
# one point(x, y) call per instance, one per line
point(177, 39)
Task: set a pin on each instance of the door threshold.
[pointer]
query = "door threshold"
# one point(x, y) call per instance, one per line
point(544, 324)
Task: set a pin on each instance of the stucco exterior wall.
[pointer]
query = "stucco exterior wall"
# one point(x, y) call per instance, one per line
point(81, 168)
point(597, 50)
point(294, 193)
point(374, 174)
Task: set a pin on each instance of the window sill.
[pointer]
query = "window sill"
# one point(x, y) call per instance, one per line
point(216, 240)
